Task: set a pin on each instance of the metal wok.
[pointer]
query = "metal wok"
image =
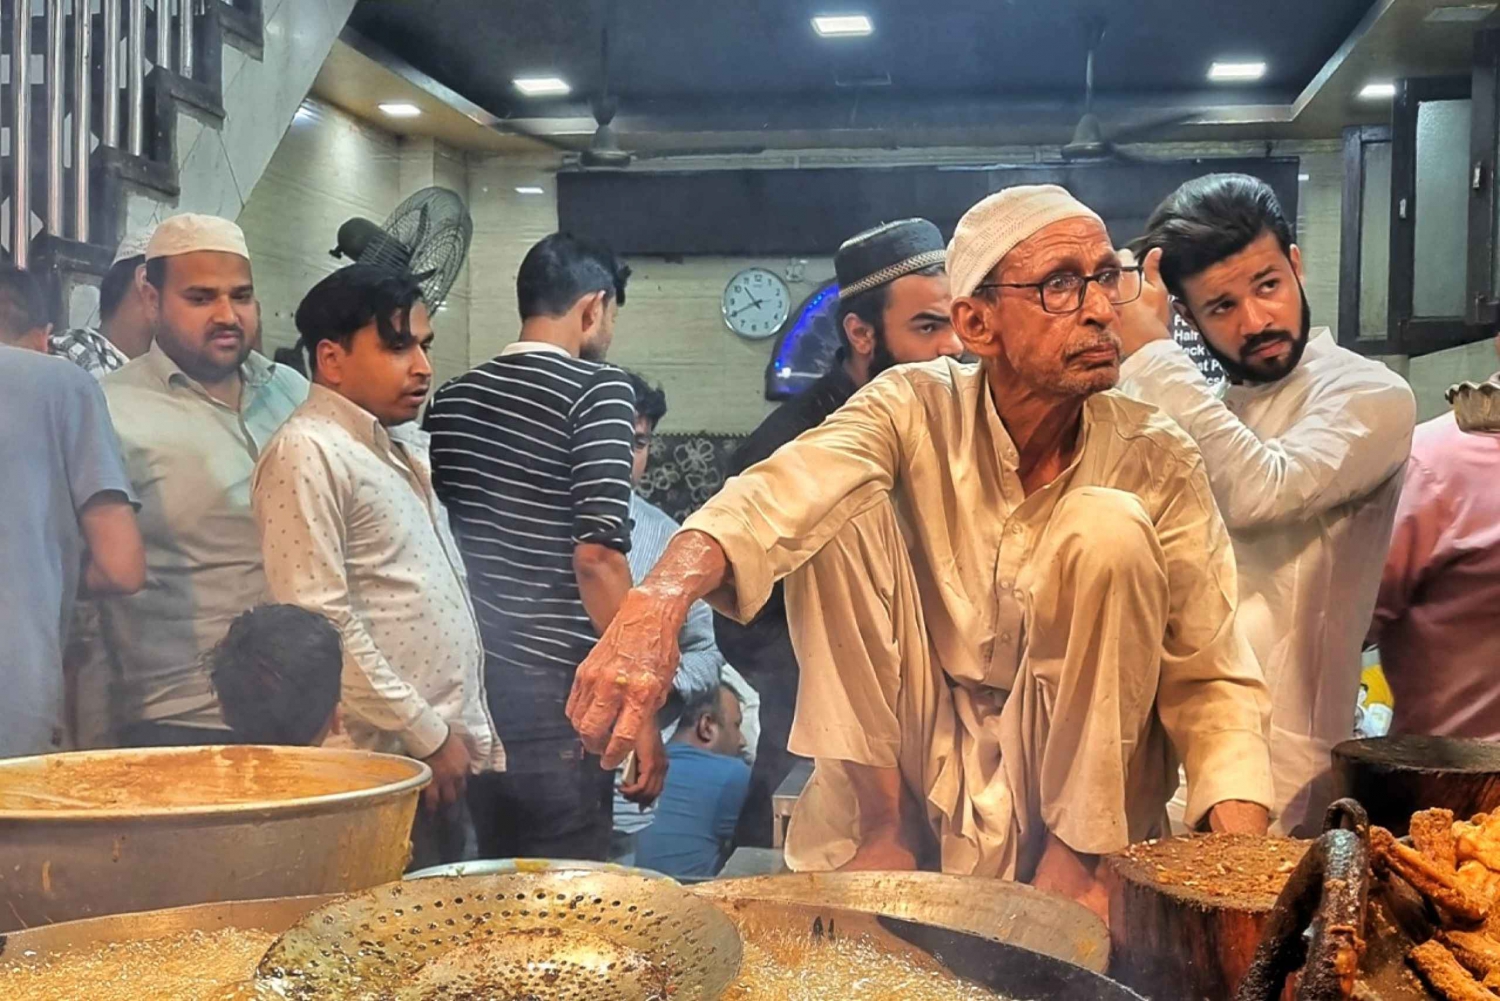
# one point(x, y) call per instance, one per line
point(1012, 971)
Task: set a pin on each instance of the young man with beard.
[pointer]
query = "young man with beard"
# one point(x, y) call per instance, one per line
point(893, 310)
point(352, 529)
point(192, 413)
point(531, 456)
point(1304, 450)
point(988, 686)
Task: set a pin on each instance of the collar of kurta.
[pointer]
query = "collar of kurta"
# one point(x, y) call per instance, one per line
point(256, 371)
point(532, 347)
point(362, 425)
point(974, 385)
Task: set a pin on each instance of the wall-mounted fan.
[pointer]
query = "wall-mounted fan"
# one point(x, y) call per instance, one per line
point(427, 236)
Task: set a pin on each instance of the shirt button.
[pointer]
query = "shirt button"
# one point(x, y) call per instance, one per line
point(1015, 529)
point(1005, 585)
point(1005, 639)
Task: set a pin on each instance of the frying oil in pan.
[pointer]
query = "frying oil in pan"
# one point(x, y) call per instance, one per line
point(778, 965)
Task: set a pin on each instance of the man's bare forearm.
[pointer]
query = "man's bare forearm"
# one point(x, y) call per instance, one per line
point(603, 576)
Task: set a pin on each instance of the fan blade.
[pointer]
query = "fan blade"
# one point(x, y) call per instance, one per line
point(1141, 131)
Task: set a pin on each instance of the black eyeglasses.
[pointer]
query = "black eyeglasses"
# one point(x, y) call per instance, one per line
point(1064, 293)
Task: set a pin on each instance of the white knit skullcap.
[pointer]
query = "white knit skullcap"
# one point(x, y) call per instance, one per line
point(1000, 223)
point(133, 245)
point(190, 233)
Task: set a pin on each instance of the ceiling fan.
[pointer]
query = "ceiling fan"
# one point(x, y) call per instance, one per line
point(1090, 139)
point(604, 147)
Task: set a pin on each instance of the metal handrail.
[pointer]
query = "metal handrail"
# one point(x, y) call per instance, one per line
point(83, 98)
point(20, 141)
point(71, 61)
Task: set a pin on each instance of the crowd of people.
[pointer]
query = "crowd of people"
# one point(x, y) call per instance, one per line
point(1010, 574)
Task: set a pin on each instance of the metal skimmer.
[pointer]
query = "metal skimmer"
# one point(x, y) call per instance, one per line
point(552, 936)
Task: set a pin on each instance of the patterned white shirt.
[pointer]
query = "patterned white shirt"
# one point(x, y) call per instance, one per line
point(89, 349)
point(351, 528)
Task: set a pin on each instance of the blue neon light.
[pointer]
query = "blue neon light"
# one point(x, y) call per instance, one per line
point(805, 319)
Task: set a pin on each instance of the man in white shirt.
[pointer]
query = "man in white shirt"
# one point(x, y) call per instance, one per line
point(1304, 449)
point(352, 529)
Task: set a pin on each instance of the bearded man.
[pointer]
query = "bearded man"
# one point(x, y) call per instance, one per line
point(1304, 449)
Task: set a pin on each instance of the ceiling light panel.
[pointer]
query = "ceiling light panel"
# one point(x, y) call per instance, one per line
point(542, 86)
point(1378, 91)
point(1239, 71)
point(842, 25)
point(400, 109)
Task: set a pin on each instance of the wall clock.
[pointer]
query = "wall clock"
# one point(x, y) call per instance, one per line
point(756, 304)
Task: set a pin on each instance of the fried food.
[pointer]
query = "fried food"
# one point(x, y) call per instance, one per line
point(1441, 887)
point(1483, 882)
point(1432, 835)
point(1446, 975)
point(1477, 951)
point(1478, 840)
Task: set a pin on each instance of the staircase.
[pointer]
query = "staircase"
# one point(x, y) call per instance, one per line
point(127, 111)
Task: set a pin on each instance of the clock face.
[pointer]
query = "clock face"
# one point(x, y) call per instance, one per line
point(756, 303)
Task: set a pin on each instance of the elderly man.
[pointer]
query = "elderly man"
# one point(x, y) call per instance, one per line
point(192, 413)
point(1304, 451)
point(1011, 595)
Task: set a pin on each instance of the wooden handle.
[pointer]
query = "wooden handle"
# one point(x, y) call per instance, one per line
point(1328, 891)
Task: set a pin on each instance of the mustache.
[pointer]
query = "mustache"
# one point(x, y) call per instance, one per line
point(1265, 338)
point(1109, 342)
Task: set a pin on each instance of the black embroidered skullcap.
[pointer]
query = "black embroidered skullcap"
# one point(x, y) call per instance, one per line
point(879, 256)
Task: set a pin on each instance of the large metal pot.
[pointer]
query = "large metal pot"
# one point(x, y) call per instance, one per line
point(107, 832)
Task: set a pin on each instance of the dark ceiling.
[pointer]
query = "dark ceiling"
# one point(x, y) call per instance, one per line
point(706, 54)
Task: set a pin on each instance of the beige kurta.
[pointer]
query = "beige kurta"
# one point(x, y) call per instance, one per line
point(977, 613)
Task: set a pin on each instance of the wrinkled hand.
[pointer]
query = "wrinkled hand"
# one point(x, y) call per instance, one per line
point(450, 774)
point(1238, 817)
point(651, 769)
point(1149, 317)
point(619, 688)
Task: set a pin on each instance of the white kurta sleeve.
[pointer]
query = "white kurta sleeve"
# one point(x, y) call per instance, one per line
point(298, 510)
point(1347, 441)
point(776, 515)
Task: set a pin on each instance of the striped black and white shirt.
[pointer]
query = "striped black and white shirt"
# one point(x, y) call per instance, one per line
point(531, 455)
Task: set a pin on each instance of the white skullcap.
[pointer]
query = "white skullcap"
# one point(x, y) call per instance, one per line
point(190, 233)
point(134, 245)
point(995, 226)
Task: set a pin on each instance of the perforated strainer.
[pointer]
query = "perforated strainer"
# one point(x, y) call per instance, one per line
point(552, 936)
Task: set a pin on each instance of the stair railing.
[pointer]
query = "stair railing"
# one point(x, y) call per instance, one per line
point(71, 60)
